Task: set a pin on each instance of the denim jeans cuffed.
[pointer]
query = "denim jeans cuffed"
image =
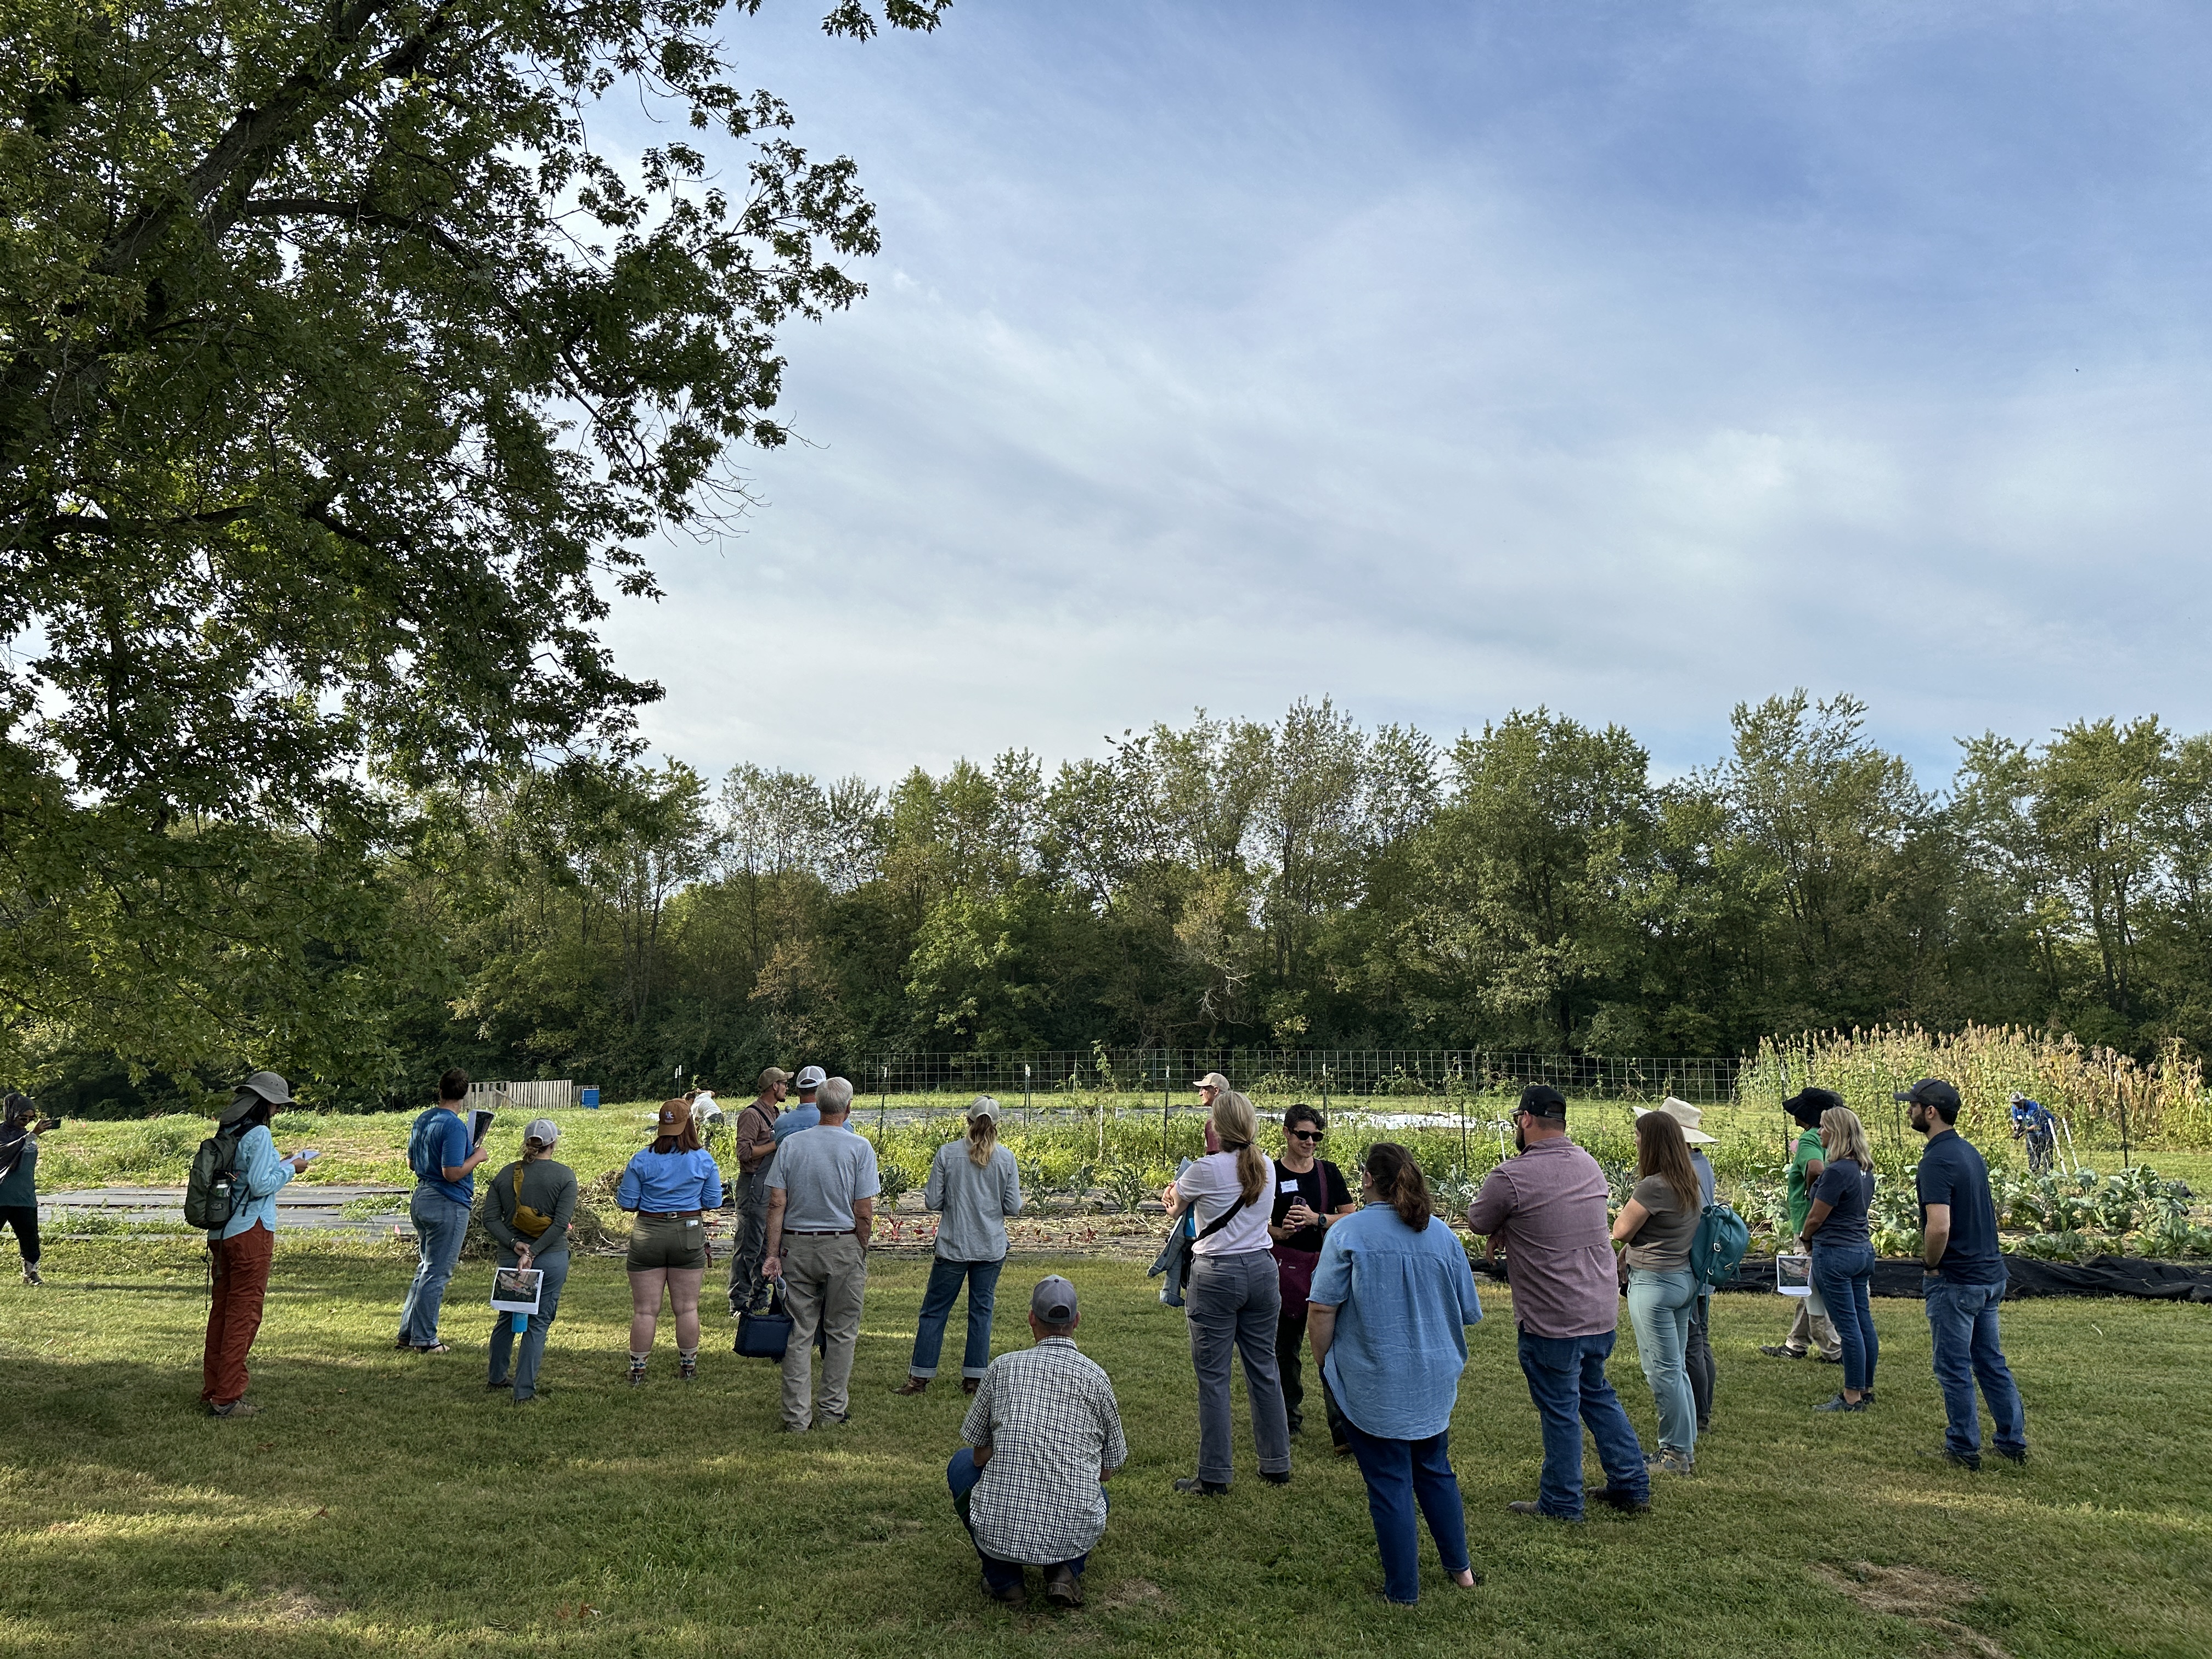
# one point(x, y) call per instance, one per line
point(945, 1278)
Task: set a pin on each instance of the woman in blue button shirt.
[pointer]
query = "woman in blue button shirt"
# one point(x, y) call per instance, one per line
point(670, 1185)
point(1387, 1315)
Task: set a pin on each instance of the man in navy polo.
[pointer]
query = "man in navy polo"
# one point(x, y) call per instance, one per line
point(1963, 1281)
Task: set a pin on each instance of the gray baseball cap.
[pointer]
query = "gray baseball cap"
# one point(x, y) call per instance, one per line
point(1053, 1301)
point(543, 1130)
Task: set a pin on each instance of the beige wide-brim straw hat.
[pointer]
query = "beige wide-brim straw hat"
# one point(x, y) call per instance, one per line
point(1683, 1114)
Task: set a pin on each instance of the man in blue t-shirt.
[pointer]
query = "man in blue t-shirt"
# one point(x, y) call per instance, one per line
point(445, 1164)
point(806, 1115)
point(1964, 1281)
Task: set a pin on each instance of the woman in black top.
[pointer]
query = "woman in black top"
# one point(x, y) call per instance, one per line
point(1842, 1250)
point(1310, 1192)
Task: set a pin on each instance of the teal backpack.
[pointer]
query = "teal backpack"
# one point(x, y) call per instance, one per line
point(1717, 1251)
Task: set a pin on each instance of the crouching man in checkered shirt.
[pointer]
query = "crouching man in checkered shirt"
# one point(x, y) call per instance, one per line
point(1046, 1433)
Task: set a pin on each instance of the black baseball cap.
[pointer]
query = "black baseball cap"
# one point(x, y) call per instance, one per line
point(1542, 1100)
point(1932, 1091)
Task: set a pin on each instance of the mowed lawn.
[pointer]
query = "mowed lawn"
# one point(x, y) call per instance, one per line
point(385, 1504)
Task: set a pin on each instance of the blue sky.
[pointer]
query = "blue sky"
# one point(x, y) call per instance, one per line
point(1631, 359)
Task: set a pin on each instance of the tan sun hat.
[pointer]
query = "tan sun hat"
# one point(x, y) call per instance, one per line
point(1683, 1114)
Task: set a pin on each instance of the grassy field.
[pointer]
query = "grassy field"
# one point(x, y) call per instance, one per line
point(386, 1504)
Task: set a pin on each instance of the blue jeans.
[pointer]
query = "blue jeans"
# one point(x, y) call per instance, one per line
point(1845, 1273)
point(1400, 1475)
point(1963, 1319)
point(1235, 1302)
point(944, 1280)
point(961, 1475)
point(1660, 1307)
point(1566, 1379)
point(556, 1270)
point(440, 1225)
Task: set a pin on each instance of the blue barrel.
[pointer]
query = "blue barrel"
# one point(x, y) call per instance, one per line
point(588, 1097)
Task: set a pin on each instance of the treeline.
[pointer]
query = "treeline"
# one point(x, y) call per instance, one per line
point(1307, 883)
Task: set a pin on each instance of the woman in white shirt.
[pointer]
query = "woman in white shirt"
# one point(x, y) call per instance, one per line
point(1235, 1298)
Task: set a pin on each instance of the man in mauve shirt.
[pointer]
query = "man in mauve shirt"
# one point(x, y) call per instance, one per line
point(1547, 1208)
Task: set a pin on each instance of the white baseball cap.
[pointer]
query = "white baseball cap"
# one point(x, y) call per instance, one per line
point(811, 1077)
point(984, 1107)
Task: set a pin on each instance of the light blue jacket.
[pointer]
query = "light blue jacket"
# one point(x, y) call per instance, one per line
point(263, 1175)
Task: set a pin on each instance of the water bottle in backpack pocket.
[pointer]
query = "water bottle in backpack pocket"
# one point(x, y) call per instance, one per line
point(211, 1194)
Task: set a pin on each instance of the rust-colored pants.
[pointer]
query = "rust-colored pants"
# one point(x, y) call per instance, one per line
point(242, 1278)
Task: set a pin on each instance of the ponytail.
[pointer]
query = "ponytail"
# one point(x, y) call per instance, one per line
point(983, 1139)
point(1400, 1183)
point(1238, 1126)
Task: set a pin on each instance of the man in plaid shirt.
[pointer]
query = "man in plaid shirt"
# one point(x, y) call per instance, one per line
point(1046, 1433)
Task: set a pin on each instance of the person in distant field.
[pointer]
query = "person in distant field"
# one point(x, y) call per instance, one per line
point(973, 1185)
point(820, 1214)
point(1391, 1303)
point(244, 1249)
point(20, 1125)
point(528, 1207)
point(1236, 1297)
point(755, 1150)
point(444, 1164)
point(1842, 1250)
point(1964, 1281)
point(1309, 1193)
point(2035, 1123)
point(1045, 1435)
point(1697, 1357)
point(808, 1114)
point(671, 1184)
point(1656, 1224)
point(1812, 1324)
point(1547, 1208)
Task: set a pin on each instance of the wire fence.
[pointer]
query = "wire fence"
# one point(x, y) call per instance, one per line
point(1037, 1077)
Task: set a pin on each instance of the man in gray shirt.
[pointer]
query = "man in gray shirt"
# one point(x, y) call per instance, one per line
point(820, 1214)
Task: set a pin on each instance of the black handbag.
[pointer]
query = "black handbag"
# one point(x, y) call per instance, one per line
point(765, 1335)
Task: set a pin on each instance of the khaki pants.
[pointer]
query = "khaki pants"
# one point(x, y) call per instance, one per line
point(1814, 1327)
point(822, 1281)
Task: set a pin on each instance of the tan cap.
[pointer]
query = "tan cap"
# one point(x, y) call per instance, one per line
point(1683, 1114)
point(1212, 1080)
point(674, 1115)
point(769, 1078)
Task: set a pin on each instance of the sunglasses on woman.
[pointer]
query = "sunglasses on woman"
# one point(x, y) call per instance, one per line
point(1314, 1135)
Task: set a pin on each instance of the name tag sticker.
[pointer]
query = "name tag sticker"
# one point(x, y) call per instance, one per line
point(1286, 1185)
point(690, 1220)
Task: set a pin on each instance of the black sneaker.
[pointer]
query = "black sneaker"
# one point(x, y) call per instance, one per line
point(1613, 1498)
point(1782, 1351)
point(2019, 1457)
point(1193, 1488)
point(1281, 1479)
point(1534, 1511)
point(1958, 1459)
point(1840, 1404)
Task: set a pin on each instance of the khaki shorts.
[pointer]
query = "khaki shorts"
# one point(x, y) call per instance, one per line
point(667, 1241)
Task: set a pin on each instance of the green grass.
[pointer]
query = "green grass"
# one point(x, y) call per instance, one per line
point(385, 1504)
